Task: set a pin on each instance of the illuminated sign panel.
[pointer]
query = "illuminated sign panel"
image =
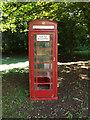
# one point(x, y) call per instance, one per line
point(42, 27)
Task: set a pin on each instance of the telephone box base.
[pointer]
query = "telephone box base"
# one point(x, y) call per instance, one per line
point(53, 98)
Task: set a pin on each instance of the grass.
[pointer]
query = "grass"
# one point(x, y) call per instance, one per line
point(13, 104)
point(12, 60)
point(15, 59)
point(85, 52)
point(79, 85)
point(15, 101)
point(15, 71)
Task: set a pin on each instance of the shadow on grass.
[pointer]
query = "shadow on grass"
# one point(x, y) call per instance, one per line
point(15, 93)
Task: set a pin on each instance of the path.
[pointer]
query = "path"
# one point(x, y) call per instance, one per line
point(26, 64)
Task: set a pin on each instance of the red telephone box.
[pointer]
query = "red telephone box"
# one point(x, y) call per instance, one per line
point(43, 60)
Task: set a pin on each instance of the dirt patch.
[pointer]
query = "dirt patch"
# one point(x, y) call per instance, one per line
point(72, 95)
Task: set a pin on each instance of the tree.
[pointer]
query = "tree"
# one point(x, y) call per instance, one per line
point(72, 18)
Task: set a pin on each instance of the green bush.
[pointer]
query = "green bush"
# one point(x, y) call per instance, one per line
point(14, 42)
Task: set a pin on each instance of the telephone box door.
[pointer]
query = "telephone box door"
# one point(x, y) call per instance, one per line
point(43, 64)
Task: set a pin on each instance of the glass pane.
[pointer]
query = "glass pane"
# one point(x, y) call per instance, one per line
point(42, 58)
point(34, 79)
point(51, 65)
point(51, 79)
point(51, 73)
point(34, 52)
point(43, 86)
point(43, 44)
point(43, 73)
point(51, 45)
point(51, 86)
point(34, 66)
point(34, 37)
point(51, 38)
point(43, 80)
point(34, 59)
point(34, 73)
point(51, 52)
point(42, 66)
point(35, 86)
point(34, 44)
point(43, 52)
point(51, 58)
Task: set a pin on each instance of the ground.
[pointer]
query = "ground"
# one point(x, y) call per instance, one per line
point(72, 94)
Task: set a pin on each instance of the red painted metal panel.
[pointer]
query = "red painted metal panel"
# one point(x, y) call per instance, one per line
point(39, 22)
point(40, 92)
point(56, 61)
point(32, 65)
point(44, 93)
point(47, 98)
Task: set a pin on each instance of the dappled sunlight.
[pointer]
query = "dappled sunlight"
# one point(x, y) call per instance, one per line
point(86, 67)
point(60, 79)
point(72, 73)
point(83, 76)
point(72, 63)
point(26, 64)
point(65, 71)
point(69, 66)
point(16, 65)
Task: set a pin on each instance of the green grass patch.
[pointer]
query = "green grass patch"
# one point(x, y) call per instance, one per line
point(13, 60)
point(79, 85)
point(15, 71)
point(15, 94)
point(85, 52)
point(15, 106)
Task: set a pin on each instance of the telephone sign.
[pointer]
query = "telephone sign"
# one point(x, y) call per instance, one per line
point(43, 37)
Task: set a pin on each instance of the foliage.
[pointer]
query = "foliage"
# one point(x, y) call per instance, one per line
point(72, 19)
point(70, 116)
point(86, 52)
point(79, 85)
point(14, 41)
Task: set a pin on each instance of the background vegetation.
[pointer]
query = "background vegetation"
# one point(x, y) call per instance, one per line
point(72, 19)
